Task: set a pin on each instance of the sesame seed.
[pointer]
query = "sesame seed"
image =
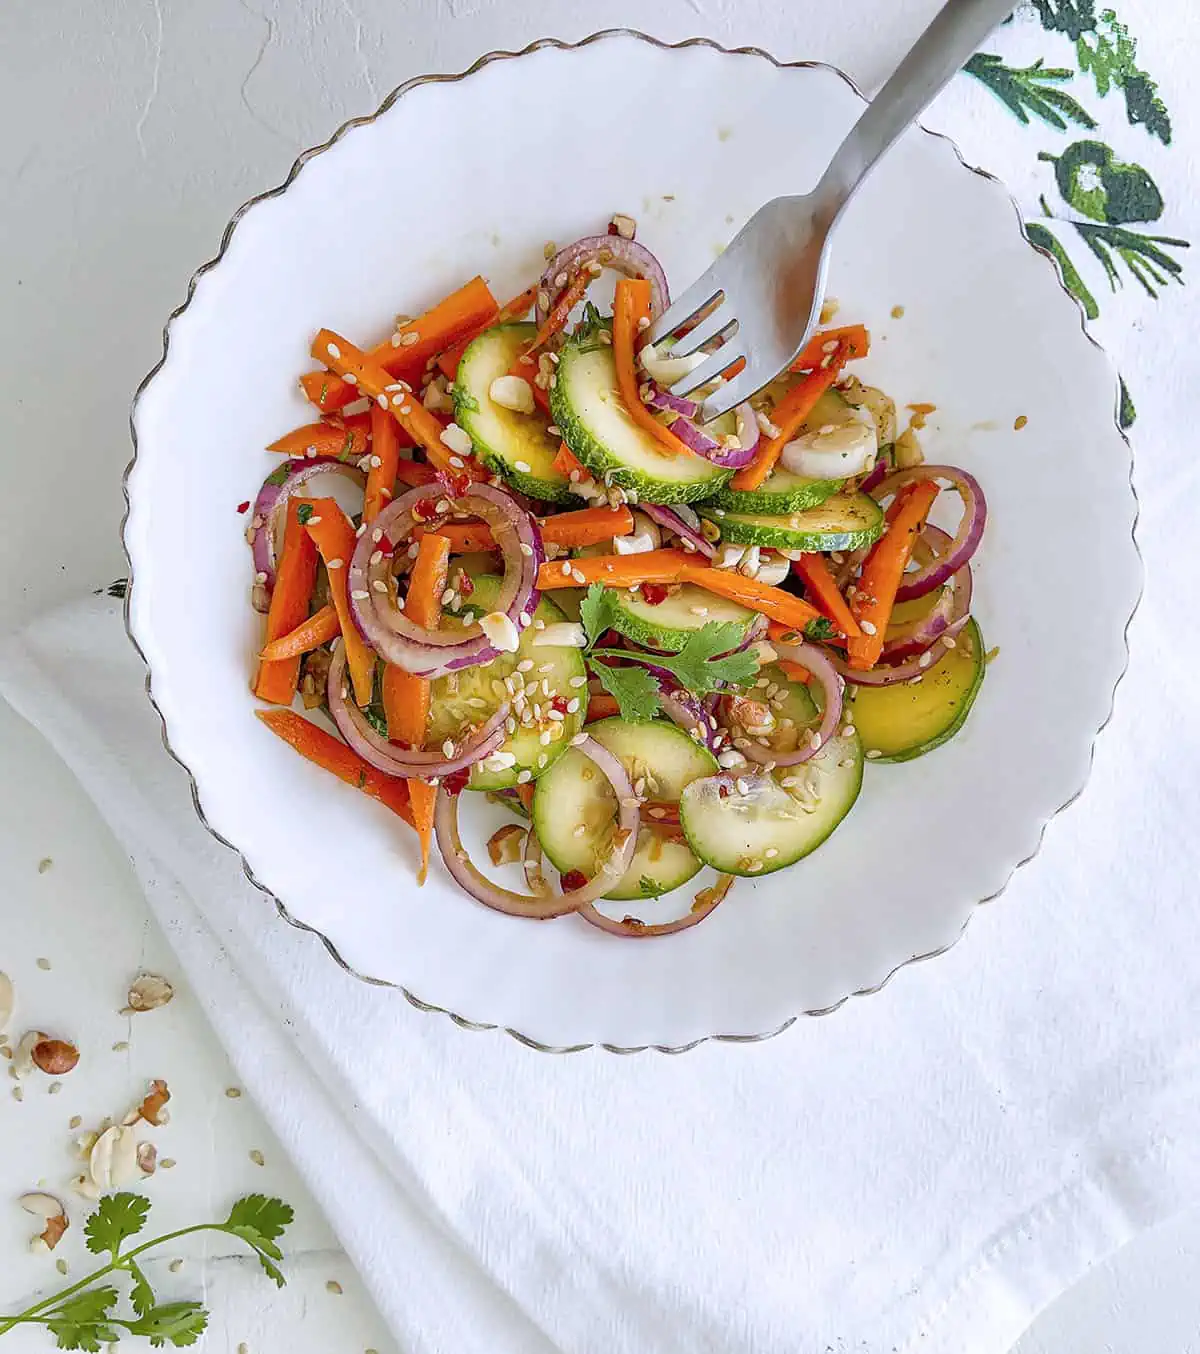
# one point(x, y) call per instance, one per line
point(814, 739)
point(523, 621)
point(544, 738)
point(260, 577)
point(448, 748)
point(743, 787)
point(754, 866)
point(872, 753)
point(577, 575)
point(350, 378)
point(848, 731)
point(407, 340)
point(379, 585)
point(381, 400)
point(771, 852)
point(698, 610)
point(925, 659)
point(867, 627)
point(524, 777)
point(360, 594)
point(376, 557)
point(577, 682)
point(333, 350)
point(950, 642)
point(522, 466)
point(578, 739)
point(572, 705)
point(526, 549)
point(566, 568)
point(336, 564)
point(580, 830)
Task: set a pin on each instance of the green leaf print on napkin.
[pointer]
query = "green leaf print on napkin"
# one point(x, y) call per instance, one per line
point(1030, 89)
point(1072, 17)
point(1108, 53)
point(1096, 183)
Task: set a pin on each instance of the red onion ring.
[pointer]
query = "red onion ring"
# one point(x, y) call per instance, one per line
point(445, 823)
point(386, 756)
point(626, 256)
point(878, 473)
point(927, 659)
point(950, 614)
point(632, 929)
point(433, 653)
point(966, 538)
point(674, 521)
point(272, 499)
point(693, 436)
point(817, 662)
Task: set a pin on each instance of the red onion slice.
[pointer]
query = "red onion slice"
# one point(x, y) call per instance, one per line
point(433, 653)
point(927, 659)
point(673, 520)
point(693, 436)
point(948, 616)
point(626, 256)
point(966, 538)
point(386, 756)
point(466, 874)
point(272, 499)
point(633, 929)
point(817, 662)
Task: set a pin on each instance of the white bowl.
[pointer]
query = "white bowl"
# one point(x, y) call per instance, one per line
point(473, 173)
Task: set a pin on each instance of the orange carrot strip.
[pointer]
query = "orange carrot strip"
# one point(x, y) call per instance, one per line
point(588, 526)
point(527, 371)
point(372, 380)
point(762, 597)
point(875, 592)
point(516, 309)
point(793, 670)
point(345, 441)
point(525, 795)
point(320, 628)
point(631, 304)
point(813, 569)
point(406, 697)
point(327, 391)
point(404, 355)
point(412, 473)
point(574, 292)
point(617, 571)
point(566, 464)
point(294, 579)
point(601, 706)
point(857, 336)
point(789, 414)
point(333, 534)
point(385, 448)
point(325, 751)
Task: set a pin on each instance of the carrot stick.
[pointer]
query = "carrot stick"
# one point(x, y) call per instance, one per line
point(333, 534)
point(345, 441)
point(789, 414)
point(774, 603)
point(372, 380)
point(405, 696)
point(856, 335)
point(404, 355)
point(294, 579)
point(601, 706)
point(412, 473)
point(326, 391)
point(632, 304)
point(320, 628)
point(588, 526)
point(566, 464)
point(516, 309)
point(875, 593)
point(325, 751)
point(557, 319)
point(813, 569)
point(617, 571)
point(793, 670)
point(385, 449)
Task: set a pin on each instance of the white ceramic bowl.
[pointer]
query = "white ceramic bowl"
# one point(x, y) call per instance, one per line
point(541, 146)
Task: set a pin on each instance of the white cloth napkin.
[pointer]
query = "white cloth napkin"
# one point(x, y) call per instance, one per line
point(922, 1170)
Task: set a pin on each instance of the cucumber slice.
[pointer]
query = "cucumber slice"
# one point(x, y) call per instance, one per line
point(666, 626)
point(573, 793)
point(595, 425)
point(843, 522)
point(906, 721)
point(454, 700)
point(785, 815)
point(783, 491)
point(516, 445)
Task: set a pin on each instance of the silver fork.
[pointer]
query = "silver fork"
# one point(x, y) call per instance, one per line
point(769, 284)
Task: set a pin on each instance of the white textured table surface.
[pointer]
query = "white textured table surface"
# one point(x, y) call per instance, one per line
point(132, 133)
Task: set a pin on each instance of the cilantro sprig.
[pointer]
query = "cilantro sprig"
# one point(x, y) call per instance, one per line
point(704, 664)
point(83, 1315)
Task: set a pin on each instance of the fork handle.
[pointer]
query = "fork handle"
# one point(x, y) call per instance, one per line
point(938, 54)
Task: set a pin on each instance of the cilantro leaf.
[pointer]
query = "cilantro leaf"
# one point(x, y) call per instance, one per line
point(634, 690)
point(821, 628)
point(277, 477)
point(117, 1217)
point(182, 1323)
point(377, 719)
point(705, 662)
point(590, 325)
point(647, 887)
point(596, 611)
point(258, 1213)
point(82, 1321)
point(141, 1295)
point(303, 513)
